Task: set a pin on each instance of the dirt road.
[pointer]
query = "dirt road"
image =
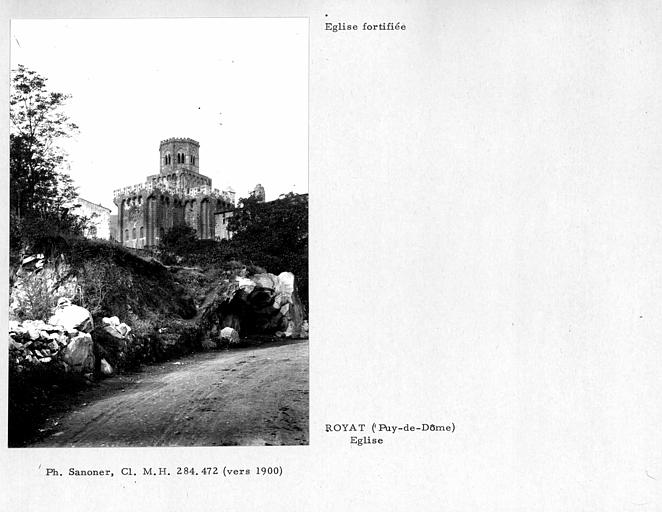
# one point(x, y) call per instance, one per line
point(253, 396)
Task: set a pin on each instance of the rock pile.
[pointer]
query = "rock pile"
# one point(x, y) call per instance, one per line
point(38, 342)
point(64, 340)
point(115, 328)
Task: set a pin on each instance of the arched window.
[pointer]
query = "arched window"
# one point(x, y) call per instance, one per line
point(142, 232)
point(133, 233)
point(192, 159)
point(126, 234)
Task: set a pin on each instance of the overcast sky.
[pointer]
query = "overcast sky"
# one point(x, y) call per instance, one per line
point(238, 86)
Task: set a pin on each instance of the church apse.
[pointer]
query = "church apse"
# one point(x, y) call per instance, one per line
point(179, 194)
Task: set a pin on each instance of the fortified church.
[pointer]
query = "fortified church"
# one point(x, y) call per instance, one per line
point(179, 194)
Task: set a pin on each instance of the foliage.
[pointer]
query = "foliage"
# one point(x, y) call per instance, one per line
point(271, 236)
point(178, 241)
point(40, 192)
point(104, 286)
point(116, 281)
point(277, 227)
point(274, 235)
point(36, 300)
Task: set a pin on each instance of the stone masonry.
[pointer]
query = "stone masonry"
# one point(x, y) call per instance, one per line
point(179, 194)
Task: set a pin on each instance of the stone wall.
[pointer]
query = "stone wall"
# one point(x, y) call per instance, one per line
point(171, 147)
point(178, 194)
point(99, 218)
point(143, 218)
point(221, 225)
point(37, 342)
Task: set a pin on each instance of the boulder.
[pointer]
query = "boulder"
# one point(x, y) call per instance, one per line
point(120, 331)
point(19, 331)
point(286, 286)
point(113, 321)
point(33, 261)
point(245, 284)
point(123, 329)
point(265, 281)
point(79, 353)
point(115, 328)
point(229, 335)
point(106, 369)
point(71, 316)
point(14, 344)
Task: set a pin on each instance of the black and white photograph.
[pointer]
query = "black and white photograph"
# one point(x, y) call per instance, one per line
point(158, 250)
point(324, 255)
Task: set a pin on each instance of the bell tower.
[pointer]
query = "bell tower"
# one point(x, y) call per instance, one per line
point(179, 155)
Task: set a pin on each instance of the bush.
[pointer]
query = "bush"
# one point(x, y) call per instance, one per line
point(274, 235)
point(178, 241)
point(35, 300)
point(104, 287)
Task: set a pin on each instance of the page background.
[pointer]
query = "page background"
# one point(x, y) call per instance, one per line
point(485, 231)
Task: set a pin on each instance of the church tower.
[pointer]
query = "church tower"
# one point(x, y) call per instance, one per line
point(179, 194)
point(179, 155)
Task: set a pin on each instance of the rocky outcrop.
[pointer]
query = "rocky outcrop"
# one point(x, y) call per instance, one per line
point(259, 304)
point(36, 285)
